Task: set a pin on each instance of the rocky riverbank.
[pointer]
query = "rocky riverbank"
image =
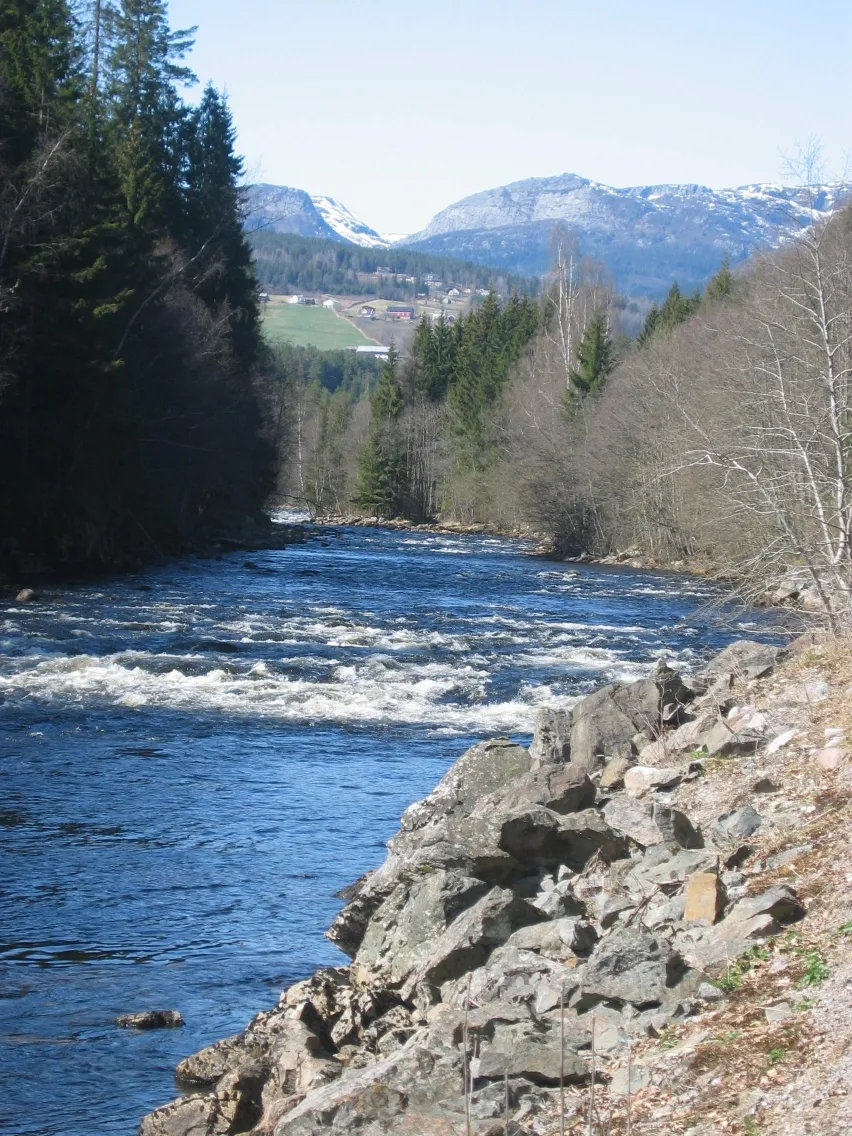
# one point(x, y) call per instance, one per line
point(644, 914)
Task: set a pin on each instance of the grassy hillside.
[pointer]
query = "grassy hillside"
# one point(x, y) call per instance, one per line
point(309, 326)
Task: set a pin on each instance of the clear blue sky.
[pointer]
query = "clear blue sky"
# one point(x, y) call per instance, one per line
point(398, 109)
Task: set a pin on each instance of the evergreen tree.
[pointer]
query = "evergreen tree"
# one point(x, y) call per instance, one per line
point(721, 285)
point(144, 67)
point(39, 75)
point(382, 481)
point(595, 358)
point(222, 272)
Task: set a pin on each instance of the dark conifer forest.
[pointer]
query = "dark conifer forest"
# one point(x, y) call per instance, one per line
point(130, 355)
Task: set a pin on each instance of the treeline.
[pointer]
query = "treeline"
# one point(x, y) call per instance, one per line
point(422, 439)
point(130, 404)
point(289, 263)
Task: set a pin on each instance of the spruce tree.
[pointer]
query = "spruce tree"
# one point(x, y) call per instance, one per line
point(721, 285)
point(221, 270)
point(595, 358)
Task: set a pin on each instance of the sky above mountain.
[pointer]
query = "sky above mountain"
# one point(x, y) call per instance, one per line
point(399, 110)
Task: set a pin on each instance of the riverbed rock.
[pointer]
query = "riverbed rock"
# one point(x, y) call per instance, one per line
point(641, 779)
point(676, 828)
point(634, 819)
point(606, 724)
point(551, 742)
point(560, 788)
point(539, 836)
point(150, 1019)
point(630, 966)
point(406, 926)
point(469, 940)
point(744, 659)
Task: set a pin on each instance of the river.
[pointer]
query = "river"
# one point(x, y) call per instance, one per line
point(195, 758)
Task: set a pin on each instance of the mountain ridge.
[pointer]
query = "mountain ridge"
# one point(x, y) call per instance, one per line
point(646, 236)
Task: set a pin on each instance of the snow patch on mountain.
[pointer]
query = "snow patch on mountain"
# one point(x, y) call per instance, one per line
point(347, 226)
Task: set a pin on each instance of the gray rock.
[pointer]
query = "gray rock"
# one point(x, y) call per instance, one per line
point(612, 907)
point(778, 1012)
point(406, 926)
point(707, 992)
point(540, 836)
point(780, 902)
point(26, 595)
point(632, 818)
point(724, 739)
point(676, 828)
point(630, 966)
point(532, 1051)
point(562, 789)
point(600, 730)
point(552, 739)
point(469, 940)
point(559, 939)
point(150, 1019)
point(744, 659)
point(641, 779)
point(740, 823)
point(666, 870)
point(626, 1083)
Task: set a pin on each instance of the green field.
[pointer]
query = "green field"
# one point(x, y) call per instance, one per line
point(309, 327)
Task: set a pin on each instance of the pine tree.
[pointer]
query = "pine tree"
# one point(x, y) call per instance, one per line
point(222, 272)
point(595, 358)
point(721, 285)
point(39, 75)
point(144, 69)
point(382, 481)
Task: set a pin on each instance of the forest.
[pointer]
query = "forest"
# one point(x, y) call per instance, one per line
point(141, 413)
point(286, 262)
point(718, 437)
point(132, 388)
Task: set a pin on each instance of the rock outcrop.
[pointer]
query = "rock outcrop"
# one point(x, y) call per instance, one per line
point(531, 912)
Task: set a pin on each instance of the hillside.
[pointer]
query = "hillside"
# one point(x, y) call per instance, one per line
point(646, 235)
point(294, 262)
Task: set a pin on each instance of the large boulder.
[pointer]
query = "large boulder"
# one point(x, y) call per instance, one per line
point(551, 742)
point(632, 818)
point(541, 837)
point(406, 926)
point(560, 788)
point(744, 659)
point(630, 967)
point(606, 723)
point(469, 940)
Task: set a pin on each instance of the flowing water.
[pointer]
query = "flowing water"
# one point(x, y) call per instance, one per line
point(195, 758)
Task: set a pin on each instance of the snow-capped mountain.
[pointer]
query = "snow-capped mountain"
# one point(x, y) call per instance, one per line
point(347, 227)
point(646, 235)
point(282, 209)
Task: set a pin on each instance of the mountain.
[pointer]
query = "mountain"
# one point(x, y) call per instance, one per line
point(282, 209)
point(646, 235)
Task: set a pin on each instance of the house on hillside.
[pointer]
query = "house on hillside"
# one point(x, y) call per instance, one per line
point(329, 303)
point(447, 317)
point(367, 312)
point(263, 297)
point(400, 312)
point(453, 291)
point(296, 300)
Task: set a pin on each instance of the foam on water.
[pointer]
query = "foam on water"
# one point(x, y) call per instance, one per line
point(196, 758)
